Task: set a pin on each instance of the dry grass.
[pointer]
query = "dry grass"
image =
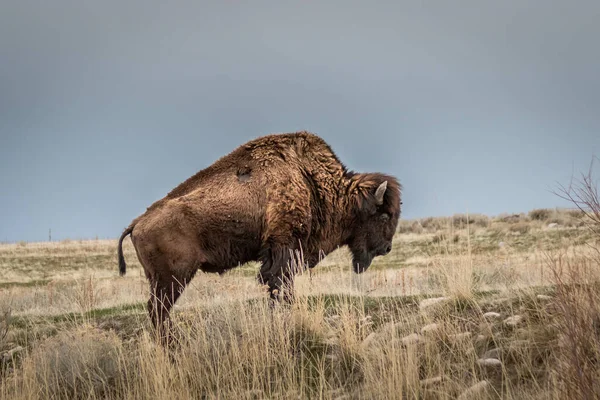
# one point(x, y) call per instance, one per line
point(535, 219)
point(471, 306)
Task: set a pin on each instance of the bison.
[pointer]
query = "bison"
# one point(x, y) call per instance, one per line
point(269, 199)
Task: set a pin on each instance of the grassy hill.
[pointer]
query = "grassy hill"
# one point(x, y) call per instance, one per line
point(464, 306)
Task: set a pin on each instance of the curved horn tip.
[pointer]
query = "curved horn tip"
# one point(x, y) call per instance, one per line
point(380, 192)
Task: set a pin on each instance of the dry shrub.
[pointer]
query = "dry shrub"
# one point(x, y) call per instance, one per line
point(236, 349)
point(75, 364)
point(575, 214)
point(434, 224)
point(457, 277)
point(481, 220)
point(540, 214)
point(462, 220)
point(438, 238)
point(559, 220)
point(437, 224)
point(576, 367)
point(444, 239)
point(404, 226)
point(408, 226)
point(510, 218)
point(416, 227)
point(5, 317)
point(583, 193)
point(86, 294)
point(568, 218)
point(5, 322)
point(521, 228)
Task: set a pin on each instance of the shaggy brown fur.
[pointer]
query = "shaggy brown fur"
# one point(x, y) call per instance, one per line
point(269, 198)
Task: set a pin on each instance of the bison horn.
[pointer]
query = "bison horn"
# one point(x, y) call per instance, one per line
point(380, 192)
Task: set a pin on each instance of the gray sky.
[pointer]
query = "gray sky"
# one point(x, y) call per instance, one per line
point(475, 106)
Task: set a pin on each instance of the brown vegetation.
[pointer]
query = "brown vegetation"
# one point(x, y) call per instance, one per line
point(535, 219)
point(495, 311)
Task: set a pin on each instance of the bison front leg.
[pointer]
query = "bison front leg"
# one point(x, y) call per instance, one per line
point(278, 269)
point(288, 226)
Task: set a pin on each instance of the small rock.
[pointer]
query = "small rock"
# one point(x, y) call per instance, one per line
point(331, 334)
point(513, 321)
point(430, 328)
point(492, 353)
point(491, 315)
point(519, 344)
point(481, 338)
point(431, 381)
point(459, 336)
point(254, 393)
point(110, 324)
point(391, 326)
point(553, 225)
point(489, 362)
point(475, 391)
point(369, 340)
point(430, 302)
point(544, 297)
point(342, 397)
point(501, 244)
point(413, 338)
point(8, 355)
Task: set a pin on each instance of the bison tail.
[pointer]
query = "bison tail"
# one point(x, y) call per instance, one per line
point(122, 265)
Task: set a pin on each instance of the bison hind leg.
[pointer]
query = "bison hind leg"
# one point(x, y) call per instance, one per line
point(165, 290)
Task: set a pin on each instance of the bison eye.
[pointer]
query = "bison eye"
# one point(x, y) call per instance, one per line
point(384, 216)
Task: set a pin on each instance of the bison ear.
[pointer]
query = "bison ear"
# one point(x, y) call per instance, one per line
point(380, 192)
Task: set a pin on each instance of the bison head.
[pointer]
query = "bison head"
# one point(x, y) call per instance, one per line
point(376, 213)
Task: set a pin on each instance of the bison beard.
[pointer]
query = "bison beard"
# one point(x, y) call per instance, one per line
point(268, 200)
point(360, 262)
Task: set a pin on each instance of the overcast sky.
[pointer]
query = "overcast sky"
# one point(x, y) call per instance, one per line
point(479, 106)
